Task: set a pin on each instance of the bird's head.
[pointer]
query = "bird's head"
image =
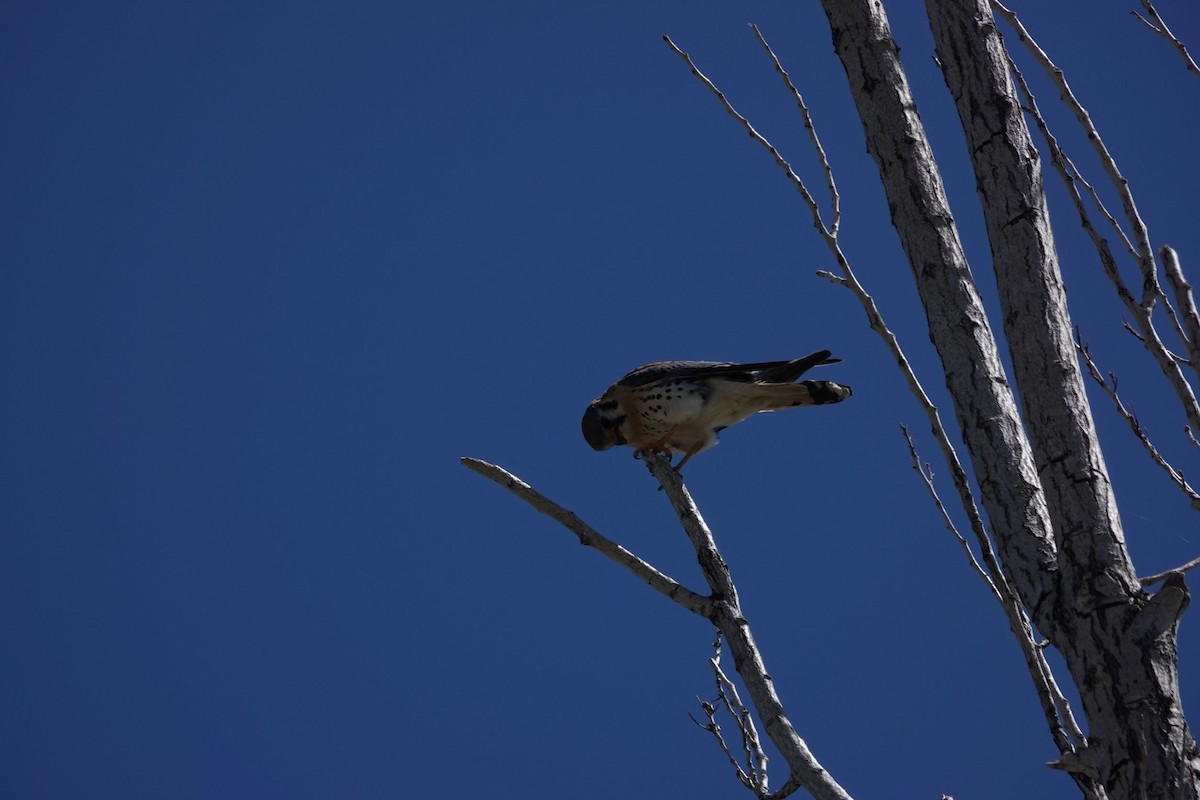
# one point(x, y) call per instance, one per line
point(602, 424)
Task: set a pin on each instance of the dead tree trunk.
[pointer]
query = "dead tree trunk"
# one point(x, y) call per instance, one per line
point(1042, 476)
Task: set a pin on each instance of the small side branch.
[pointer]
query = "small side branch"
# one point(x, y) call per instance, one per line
point(1186, 303)
point(722, 609)
point(1156, 24)
point(1182, 568)
point(830, 183)
point(752, 773)
point(1057, 710)
point(926, 473)
point(727, 616)
point(692, 601)
point(1109, 385)
point(754, 134)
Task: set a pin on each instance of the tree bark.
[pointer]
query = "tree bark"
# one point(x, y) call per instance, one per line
point(1046, 494)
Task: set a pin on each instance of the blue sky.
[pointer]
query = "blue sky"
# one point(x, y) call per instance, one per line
point(270, 269)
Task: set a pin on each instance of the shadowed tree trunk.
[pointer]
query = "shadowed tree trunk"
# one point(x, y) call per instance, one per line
point(1042, 476)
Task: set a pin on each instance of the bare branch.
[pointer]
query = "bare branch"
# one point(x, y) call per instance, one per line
point(714, 727)
point(1178, 359)
point(752, 750)
point(722, 608)
point(758, 137)
point(1110, 388)
point(1055, 705)
point(1187, 304)
point(1156, 24)
point(835, 198)
point(1056, 709)
point(1191, 436)
point(806, 771)
point(754, 775)
point(692, 601)
point(927, 478)
point(1153, 579)
point(829, 276)
point(1073, 178)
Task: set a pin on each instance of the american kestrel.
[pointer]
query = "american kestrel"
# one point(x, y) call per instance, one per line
point(681, 406)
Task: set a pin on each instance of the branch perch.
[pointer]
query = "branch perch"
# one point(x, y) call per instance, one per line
point(692, 601)
point(806, 771)
point(721, 608)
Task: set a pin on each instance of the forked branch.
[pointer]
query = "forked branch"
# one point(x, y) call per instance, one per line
point(1156, 24)
point(752, 772)
point(722, 608)
point(727, 616)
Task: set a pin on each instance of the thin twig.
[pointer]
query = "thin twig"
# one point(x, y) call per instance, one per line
point(1109, 385)
point(835, 198)
point(692, 601)
point(1178, 359)
point(714, 727)
point(927, 478)
point(1160, 27)
point(758, 137)
point(752, 750)
point(1055, 707)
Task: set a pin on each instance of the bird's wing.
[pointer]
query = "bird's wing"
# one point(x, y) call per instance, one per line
point(672, 370)
point(789, 371)
point(767, 371)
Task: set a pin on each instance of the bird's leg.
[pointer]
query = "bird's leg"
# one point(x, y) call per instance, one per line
point(686, 456)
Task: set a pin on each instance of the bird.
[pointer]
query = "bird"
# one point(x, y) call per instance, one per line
point(681, 406)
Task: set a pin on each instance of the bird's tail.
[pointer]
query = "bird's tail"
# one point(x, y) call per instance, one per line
point(775, 396)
